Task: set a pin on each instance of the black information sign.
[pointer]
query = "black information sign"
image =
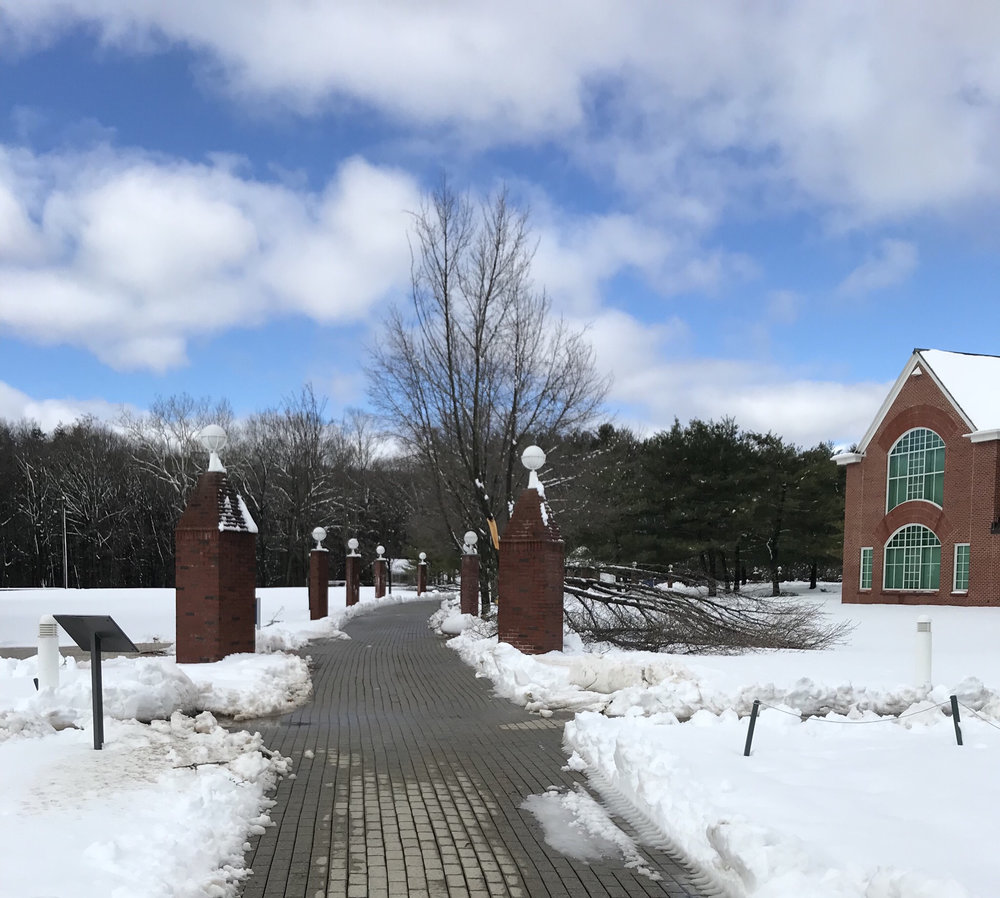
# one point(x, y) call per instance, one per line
point(96, 633)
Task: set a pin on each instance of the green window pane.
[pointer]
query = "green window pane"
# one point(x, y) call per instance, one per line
point(912, 559)
point(961, 567)
point(916, 468)
point(866, 568)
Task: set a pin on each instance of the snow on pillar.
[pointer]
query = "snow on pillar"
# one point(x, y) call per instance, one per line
point(215, 566)
point(381, 570)
point(470, 574)
point(352, 573)
point(319, 577)
point(532, 568)
point(422, 574)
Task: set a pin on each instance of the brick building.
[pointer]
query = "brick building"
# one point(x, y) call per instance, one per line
point(922, 516)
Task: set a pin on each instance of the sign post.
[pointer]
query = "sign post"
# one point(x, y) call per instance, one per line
point(96, 633)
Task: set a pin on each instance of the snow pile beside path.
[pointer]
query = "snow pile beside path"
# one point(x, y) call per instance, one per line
point(282, 637)
point(163, 812)
point(240, 686)
point(817, 810)
point(869, 797)
point(449, 621)
point(246, 686)
point(617, 683)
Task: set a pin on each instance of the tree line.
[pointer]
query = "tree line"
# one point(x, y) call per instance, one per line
point(114, 493)
point(706, 498)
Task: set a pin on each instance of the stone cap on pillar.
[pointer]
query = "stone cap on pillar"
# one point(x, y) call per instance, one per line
point(214, 504)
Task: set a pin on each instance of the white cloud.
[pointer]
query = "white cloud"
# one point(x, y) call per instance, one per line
point(130, 257)
point(656, 380)
point(894, 262)
point(873, 110)
point(50, 413)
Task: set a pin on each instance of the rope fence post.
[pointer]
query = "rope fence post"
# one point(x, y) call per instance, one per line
point(753, 723)
point(956, 719)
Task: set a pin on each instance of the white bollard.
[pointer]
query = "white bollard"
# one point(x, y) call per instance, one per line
point(49, 658)
point(924, 651)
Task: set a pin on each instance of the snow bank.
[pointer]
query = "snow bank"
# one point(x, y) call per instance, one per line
point(869, 796)
point(164, 811)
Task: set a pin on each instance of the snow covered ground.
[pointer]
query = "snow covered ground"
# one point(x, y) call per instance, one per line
point(849, 802)
point(868, 796)
point(165, 809)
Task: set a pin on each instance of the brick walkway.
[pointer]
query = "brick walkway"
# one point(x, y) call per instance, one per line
point(415, 782)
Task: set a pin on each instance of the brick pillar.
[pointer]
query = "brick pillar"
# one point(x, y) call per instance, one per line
point(422, 575)
point(352, 577)
point(215, 573)
point(381, 570)
point(319, 584)
point(470, 583)
point(530, 605)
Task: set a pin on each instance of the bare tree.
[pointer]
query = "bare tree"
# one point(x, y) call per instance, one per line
point(636, 615)
point(480, 369)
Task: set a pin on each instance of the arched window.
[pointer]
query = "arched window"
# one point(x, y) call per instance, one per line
point(916, 468)
point(912, 559)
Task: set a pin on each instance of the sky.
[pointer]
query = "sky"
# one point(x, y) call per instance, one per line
point(755, 210)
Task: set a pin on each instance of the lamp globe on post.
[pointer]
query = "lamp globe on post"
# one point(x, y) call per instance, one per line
point(213, 438)
point(471, 538)
point(353, 544)
point(319, 534)
point(380, 550)
point(423, 557)
point(533, 458)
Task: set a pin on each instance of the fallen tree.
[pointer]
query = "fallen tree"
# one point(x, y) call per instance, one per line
point(645, 613)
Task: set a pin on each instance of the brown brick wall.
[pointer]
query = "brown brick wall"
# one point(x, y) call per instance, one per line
point(319, 584)
point(532, 567)
point(970, 503)
point(380, 573)
point(216, 599)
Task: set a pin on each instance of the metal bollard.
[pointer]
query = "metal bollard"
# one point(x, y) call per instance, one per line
point(956, 719)
point(753, 723)
point(49, 658)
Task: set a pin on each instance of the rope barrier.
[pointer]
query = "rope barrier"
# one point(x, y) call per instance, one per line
point(952, 702)
point(975, 713)
point(886, 719)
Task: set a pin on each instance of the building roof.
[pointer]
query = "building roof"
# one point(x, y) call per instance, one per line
point(970, 381)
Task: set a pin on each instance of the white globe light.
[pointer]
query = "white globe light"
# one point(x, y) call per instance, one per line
point(319, 534)
point(423, 556)
point(533, 458)
point(471, 538)
point(353, 544)
point(380, 550)
point(212, 437)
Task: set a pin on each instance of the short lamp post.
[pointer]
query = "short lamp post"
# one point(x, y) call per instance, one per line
point(422, 574)
point(379, 572)
point(470, 573)
point(352, 573)
point(319, 577)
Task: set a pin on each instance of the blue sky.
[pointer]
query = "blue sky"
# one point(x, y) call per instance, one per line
point(757, 210)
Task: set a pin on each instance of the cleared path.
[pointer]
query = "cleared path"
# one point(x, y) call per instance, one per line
point(410, 777)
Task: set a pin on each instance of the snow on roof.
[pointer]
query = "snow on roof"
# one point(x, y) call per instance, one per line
point(969, 380)
point(973, 381)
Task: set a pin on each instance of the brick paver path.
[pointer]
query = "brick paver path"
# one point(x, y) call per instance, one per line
point(410, 777)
